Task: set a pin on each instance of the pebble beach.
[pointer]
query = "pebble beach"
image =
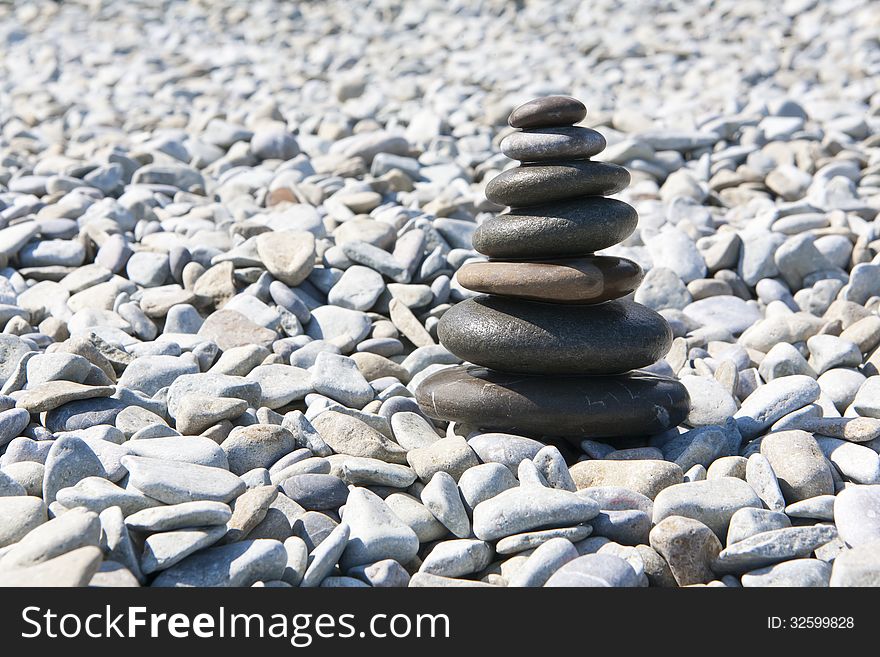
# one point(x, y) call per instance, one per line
point(243, 255)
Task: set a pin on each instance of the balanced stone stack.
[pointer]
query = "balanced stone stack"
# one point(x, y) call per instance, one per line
point(554, 345)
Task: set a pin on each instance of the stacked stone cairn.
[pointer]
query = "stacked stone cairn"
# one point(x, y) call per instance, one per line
point(555, 342)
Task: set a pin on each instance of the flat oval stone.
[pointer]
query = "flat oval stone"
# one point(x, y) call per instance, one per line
point(548, 111)
point(587, 280)
point(536, 184)
point(633, 404)
point(549, 144)
point(512, 335)
point(566, 228)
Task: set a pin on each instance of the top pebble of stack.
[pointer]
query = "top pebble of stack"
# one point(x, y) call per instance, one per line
point(547, 112)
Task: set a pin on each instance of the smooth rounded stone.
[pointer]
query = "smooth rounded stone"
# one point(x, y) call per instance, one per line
point(829, 351)
point(427, 580)
point(710, 403)
point(417, 516)
point(856, 463)
point(628, 527)
point(386, 573)
point(197, 412)
point(289, 255)
point(9, 487)
point(552, 466)
point(281, 384)
point(113, 574)
point(791, 328)
point(750, 521)
point(192, 449)
point(97, 494)
point(646, 477)
point(801, 573)
point(673, 249)
point(865, 403)
point(441, 497)
point(315, 492)
point(551, 143)
point(361, 471)
point(70, 459)
point(12, 348)
point(148, 269)
point(234, 565)
point(57, 366)
point(348, 435)
point(841, 386)
point(711, 502)
point(522, 509)
point(542, 405)
point(163, 550)
point(661, 289)
point(325, 556)
point(784, 360)
point(799, 465)
point(249, 510)
point(280, 518)
point(865, 333)
point(547, 111)
point(339, 378)
point(533, 539)
point(688, 546)
point(507, 449)
point(12, 423)
point(536, 184)
point(727, 466)
point(149, 374)
point(53, 394)
point(564, 228)
point(820, 507)
point(546, 559)
point(173, 482)
point(19, 515)
point(341, 327)
point(256, 446)
point(857, 515)
point(859, 566)
point(74, 568)
point(69, 531)
point(297, 560)
point(412, 431)
point(511, 335)
point(618, 498)
point(762, 479)
point(408, 324)
point(451, 455)
point(771, 547)
point(726, 312)
point(229, 329)
point(585, 280)
point(457, 557)
point(178, 516)
point(595, 570)
point(482, 482)
point(357, 289)
point(772, 401)
point(28, 475)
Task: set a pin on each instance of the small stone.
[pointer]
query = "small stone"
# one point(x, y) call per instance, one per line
point(760, 476)
point(442, 499)
point(456, 558)
point(772, 546)
point(173, 482)
point(595, 570)
point(526, 508)
point(688, 546)
point(235, 565)
point(712, 502)
point(178, 516)
point(798, 463)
